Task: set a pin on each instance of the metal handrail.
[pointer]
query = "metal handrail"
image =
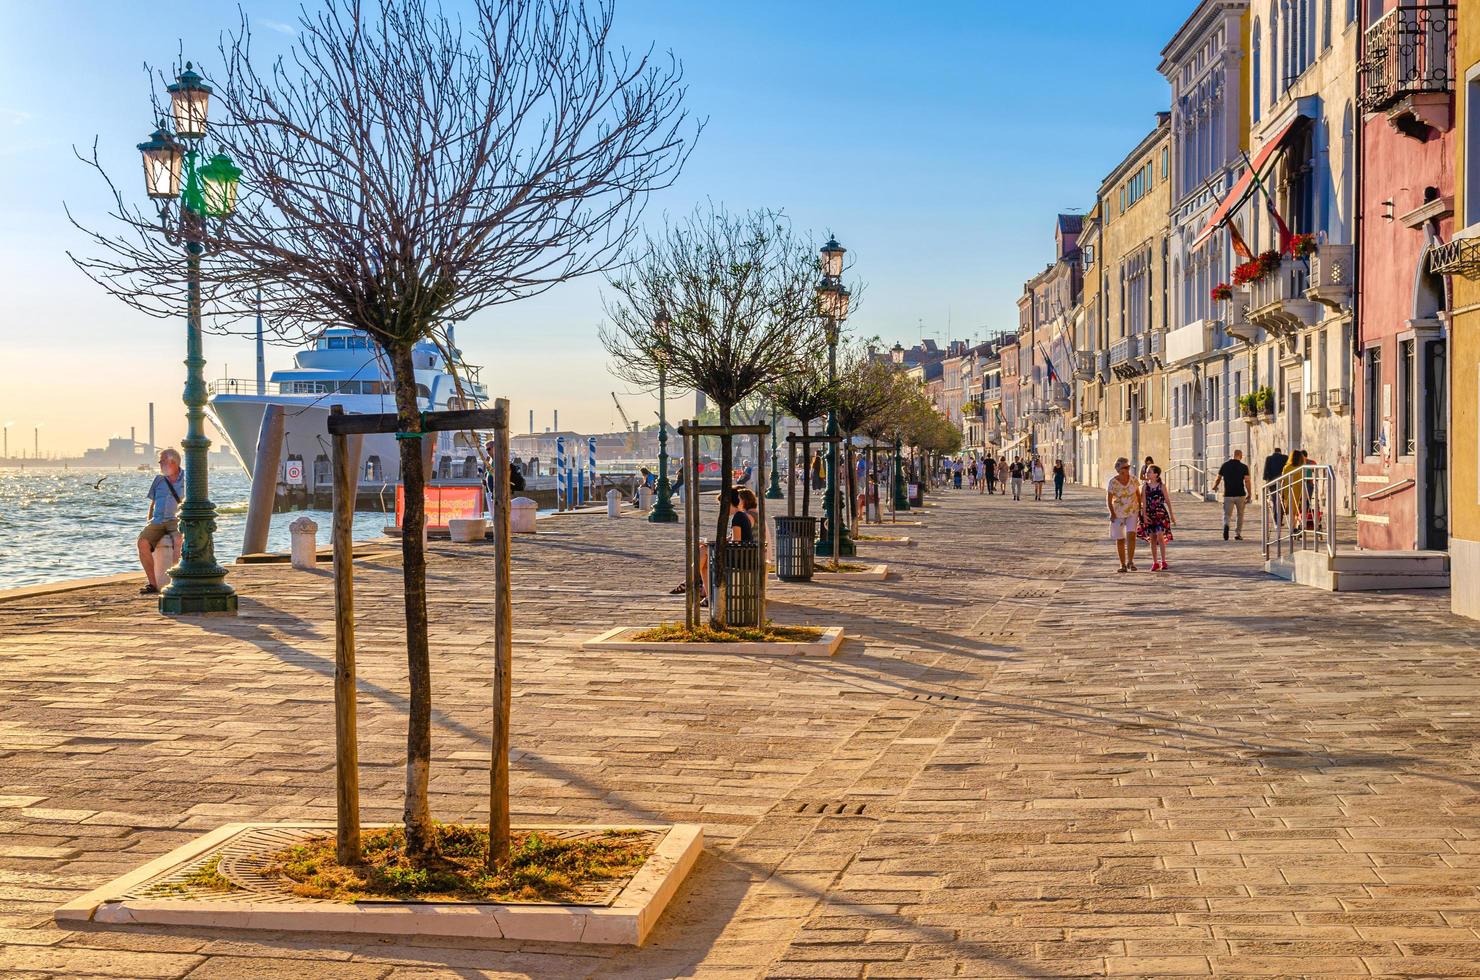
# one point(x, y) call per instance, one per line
point(1188, 469)
point(1298, 512)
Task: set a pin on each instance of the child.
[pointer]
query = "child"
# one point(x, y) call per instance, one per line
point(1156, 517)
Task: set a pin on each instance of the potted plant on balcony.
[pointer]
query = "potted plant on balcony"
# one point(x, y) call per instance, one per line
point(1264, 401)
point(1303, 246)
point(1248, 408)
point(1255, 270)
point(1222, 293)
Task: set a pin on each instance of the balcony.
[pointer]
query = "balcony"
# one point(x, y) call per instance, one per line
point(1331, 277)
point(1088, 421)
point(1277, 302)
point(1136, 354)
point(1337, 401)
point(1060, 395)
point(1315, 402)
point(1190, 344)
point(1237, 325)
point(1086, 364)
point(1407, 71)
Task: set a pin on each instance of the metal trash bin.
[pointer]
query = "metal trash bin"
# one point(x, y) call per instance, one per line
point(741, 578)
point(796, 538)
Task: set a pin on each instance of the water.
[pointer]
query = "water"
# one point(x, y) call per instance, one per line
point(56, 525)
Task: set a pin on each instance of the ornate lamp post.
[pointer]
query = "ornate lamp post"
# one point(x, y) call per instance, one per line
point(832, 298)
point(663, 511)
point(901, 492)
point(774, 491)
point(175, 174)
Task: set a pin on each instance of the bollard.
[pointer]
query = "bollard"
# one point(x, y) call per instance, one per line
point(614, 503)
point(466, 530)
point(304, 546)
point(645, 497)
point(522, 514)
point(164, 559)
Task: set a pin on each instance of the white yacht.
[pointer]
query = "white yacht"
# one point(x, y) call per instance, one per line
point(345, 367)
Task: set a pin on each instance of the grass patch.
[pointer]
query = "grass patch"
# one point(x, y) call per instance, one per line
point(826, 565)
point(207, 876)
point(874, 537)
point(678, 633)
point(541, 868)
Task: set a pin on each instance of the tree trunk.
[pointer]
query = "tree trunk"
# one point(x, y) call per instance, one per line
point(717, 611)
point(806, 469)
point(850, 481)
point(417, 815)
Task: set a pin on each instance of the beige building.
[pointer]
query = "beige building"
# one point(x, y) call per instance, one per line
point(1129, 319)
point(1091, 370)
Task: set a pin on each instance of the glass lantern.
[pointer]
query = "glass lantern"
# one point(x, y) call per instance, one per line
point(189, 99)
point(162, 162)
point(832, 259)
point(218, 183)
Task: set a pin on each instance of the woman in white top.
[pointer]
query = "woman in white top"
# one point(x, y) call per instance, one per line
point(1038, 476)
point(1123, 497)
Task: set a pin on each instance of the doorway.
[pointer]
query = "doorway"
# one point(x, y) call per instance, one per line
point(1292, 415)
point(1434, 533)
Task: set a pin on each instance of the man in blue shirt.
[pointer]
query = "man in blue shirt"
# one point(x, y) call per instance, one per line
point(164, 498)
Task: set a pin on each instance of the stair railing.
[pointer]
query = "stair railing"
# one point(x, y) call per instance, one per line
point(1298, 512)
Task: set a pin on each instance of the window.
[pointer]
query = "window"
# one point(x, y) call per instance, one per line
point(1326, 25)
point(1166, 162)
point(1471, 189)
point(1371, 407)
point(1274, 51)
point(1406, 435)
point(1258, 97)
point(336, 343)
point(1213, 413)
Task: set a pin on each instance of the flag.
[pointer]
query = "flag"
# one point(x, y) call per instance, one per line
point(1240, 247)
point(1048, 361)
point(1285, 237)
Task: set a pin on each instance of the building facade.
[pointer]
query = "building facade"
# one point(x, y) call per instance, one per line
point(1459, 259)
point(1206, 66)
point(1406, 99)
point(1134, 200)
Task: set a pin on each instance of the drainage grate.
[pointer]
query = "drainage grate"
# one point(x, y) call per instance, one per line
point(831, 809)
point(935, 697)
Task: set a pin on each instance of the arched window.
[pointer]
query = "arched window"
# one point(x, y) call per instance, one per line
point(1258, 68)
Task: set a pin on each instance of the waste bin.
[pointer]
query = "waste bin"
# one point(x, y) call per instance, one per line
point(741, 578)
point(796, 538)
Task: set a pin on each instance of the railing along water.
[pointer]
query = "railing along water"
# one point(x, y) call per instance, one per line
point(1298, 512)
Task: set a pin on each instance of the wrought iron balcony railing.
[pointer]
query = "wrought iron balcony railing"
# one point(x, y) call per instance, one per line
point(1410, 50)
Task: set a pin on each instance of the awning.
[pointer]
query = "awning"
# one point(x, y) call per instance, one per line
point(1244, 185)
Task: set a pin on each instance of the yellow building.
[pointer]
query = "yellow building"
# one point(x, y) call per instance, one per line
point(1461, 260)
point(1134, 202)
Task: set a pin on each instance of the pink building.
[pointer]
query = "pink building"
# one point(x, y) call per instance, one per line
point(1406, 99)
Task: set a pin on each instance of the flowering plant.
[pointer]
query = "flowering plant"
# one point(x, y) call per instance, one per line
point(1266, 264)
point(1303, 246)
point(1222, 292)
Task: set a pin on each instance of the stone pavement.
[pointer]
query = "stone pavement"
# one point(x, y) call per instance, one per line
point(1043, 767)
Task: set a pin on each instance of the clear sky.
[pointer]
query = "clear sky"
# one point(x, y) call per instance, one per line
point(935, 138)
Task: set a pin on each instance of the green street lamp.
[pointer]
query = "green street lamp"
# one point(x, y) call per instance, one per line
point(832, 299)
point(774, 491)
point(901, 492)
point(173, 174)
point(663, 511)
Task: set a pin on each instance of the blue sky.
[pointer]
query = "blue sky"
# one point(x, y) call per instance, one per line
point(935, 139)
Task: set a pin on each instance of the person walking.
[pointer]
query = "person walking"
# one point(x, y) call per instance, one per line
point(1293, 496)
point(1156, 520)
point(164, 506)
point(1237, 485)
point(1015, 473)
point(1036, 471)
point(1146, 467)
point(1123, 498)
point(1058, 479)
point(981, 475)
point(991, 475)
point(1274, 467)
point(956, 474)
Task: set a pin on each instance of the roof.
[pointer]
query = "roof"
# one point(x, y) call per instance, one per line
point(1070, 224)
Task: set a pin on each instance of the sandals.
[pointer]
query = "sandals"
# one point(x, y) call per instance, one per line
point(149, 590)
point(678, 589)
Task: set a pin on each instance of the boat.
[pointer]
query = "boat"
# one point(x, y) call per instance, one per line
point(346, 367)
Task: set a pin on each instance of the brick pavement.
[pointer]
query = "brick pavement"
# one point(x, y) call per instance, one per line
point(1061, 771)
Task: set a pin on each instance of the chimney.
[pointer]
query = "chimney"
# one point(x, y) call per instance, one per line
point(557, 420)
point(151, 430)
point(133, 442)
point(531, 421)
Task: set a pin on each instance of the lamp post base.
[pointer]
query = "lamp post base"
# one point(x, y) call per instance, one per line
point(198, 604)
point(846, 547)
point(663, 512)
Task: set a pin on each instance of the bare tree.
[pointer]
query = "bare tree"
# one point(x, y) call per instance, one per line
point(739, 292)
point(805, 394)
point(403, 171)
point(864, 393)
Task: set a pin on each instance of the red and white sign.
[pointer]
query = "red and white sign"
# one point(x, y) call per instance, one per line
point(293, 471)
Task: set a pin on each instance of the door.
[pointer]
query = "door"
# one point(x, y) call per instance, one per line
point(1434, 534)
point(1293, 413)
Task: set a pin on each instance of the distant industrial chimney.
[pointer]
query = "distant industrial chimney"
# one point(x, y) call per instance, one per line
point(698, 404)
point(531, 421)
point(151, 429)
point(557, 420)
point(261, 366)
point(133, 441)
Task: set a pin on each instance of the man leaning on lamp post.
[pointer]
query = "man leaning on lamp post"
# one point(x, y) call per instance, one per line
point(164, 508)
point(1238, 490)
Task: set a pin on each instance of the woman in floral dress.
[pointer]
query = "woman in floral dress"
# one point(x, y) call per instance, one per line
point(1156, 517)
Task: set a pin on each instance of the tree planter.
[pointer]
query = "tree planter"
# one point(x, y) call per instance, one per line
point(209, 883)
point(623, 638)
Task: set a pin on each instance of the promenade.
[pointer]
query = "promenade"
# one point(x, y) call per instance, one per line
point(1020, 763)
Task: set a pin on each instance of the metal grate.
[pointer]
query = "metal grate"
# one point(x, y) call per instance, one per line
point(831, 808)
